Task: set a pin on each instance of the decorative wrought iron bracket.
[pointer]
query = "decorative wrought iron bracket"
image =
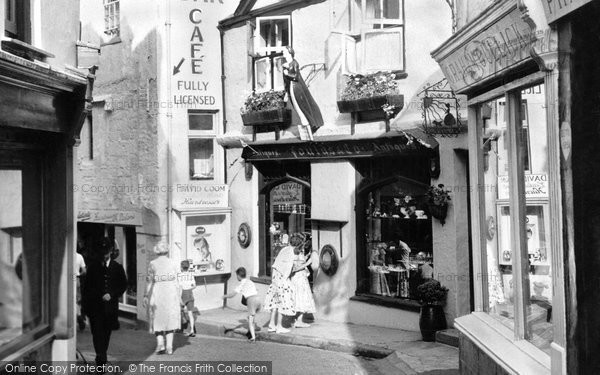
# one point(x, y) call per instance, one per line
point(440, 110)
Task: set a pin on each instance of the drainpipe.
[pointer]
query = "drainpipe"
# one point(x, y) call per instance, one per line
point(222, 33)
point(169, 125)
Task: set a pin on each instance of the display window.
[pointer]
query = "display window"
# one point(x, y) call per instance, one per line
point(398, 238)
point(288, 212)
point(207, 242)
point(518, 282)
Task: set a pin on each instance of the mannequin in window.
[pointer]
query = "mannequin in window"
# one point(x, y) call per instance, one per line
point(298, 92)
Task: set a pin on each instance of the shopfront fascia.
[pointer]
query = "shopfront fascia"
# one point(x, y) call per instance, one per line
point(42, 113)
point(303, 189)
point(507, 66)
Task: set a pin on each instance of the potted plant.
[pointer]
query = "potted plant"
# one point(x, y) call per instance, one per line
point(371, 92)
point(265, 108)
point(437, 200)
point(432, 296)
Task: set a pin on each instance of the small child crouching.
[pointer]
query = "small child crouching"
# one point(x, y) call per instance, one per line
point(249, 298)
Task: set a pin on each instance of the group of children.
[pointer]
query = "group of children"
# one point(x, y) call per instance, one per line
point(250, 298)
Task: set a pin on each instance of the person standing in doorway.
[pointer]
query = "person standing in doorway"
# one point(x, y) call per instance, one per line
point(105, 282)
point(304, 301)
point(80, 270)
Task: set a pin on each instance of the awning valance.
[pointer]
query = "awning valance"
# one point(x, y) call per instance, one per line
point(404, 142)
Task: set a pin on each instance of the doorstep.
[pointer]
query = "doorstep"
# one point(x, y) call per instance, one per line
point(402, 350)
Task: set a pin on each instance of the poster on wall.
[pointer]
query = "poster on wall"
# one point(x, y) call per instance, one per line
point(207, 244)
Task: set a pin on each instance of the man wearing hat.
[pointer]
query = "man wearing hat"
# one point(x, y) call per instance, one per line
point(104, 283)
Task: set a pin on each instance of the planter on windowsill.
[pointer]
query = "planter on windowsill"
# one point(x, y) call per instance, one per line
point(279, 116)
point(371, 104)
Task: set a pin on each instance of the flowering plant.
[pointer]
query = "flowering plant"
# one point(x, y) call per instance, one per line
point(365, 86)
point(263, 101)
point(438, 196)
point(432, 293)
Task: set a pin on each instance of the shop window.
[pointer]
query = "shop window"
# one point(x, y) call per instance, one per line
point(16, 20)
point(518, 280)
point(112, 17)
point(22, 252)
point(398, 247)
point(203, 155)
point(287, 211)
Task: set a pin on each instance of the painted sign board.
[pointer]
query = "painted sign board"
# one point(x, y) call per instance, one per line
point(119, 217)
point(556, 9)
point(536, 186)
point(503, 44)
point(195, 66)
point(187, 197)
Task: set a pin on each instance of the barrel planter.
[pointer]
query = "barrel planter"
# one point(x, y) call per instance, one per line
point(431, 320)
point(370, 104)
point(278, 116)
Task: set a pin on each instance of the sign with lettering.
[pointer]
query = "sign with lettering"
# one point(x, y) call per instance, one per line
point(195, 53)
point(286, 193)
point(490, 52)
point(335, 150)
point(110, 217)
point(536, 186)
point(556, 9)
point(187, 197)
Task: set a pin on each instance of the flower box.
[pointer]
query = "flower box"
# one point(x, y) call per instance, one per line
point(369, 104)
point(278, 116)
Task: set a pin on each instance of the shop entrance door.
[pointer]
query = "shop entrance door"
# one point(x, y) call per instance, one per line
point(22, 248)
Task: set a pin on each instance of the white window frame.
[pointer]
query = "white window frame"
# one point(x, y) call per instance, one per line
point(112, 17)
point(218, 157)
point(376, 68)
point(271, 59)
point(271, 49)
point(518, 336)
point(383, 21)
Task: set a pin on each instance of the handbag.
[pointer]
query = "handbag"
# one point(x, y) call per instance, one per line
point(244, 301)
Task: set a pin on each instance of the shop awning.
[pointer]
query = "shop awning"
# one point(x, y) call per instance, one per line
point(394, 142)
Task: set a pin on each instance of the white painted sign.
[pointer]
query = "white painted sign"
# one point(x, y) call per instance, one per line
point(196, 53)
point(536, 186)
point(287, 193)
point(188, 197)
point(110, 217)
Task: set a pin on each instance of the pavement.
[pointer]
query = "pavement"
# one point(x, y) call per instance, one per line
point(323, 348)
point(397, 351)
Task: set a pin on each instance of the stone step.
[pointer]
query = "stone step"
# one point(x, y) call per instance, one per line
point(448, 337)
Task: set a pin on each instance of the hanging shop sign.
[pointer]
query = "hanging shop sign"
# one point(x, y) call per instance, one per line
point(110, 217)
point(334, 150)
point(536, 186)
point(187, 197)
point(503, 44)
point(556, 9)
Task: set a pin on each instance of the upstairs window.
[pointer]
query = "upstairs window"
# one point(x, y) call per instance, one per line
point(269, 37)
point(382, 35)
point(202, 145)
point(16, 24)
point(112, 17)
point(273, 34)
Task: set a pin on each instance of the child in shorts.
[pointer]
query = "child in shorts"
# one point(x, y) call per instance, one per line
point(248, 291)
point(188, 283)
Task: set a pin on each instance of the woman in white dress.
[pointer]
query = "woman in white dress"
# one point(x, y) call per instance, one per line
point(163, 298)
point(304, 301)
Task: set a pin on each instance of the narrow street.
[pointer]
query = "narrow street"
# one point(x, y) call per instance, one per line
point(138, 345)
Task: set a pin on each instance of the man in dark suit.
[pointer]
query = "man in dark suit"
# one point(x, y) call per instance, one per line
point(104, 283)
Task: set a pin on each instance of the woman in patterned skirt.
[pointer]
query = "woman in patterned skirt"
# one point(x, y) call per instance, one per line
point(280, 298)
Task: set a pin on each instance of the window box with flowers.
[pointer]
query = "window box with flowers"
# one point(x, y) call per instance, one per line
point(266, 108)
point(374, 95)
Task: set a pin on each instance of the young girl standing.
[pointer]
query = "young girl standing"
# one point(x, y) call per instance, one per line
point(304, 301)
